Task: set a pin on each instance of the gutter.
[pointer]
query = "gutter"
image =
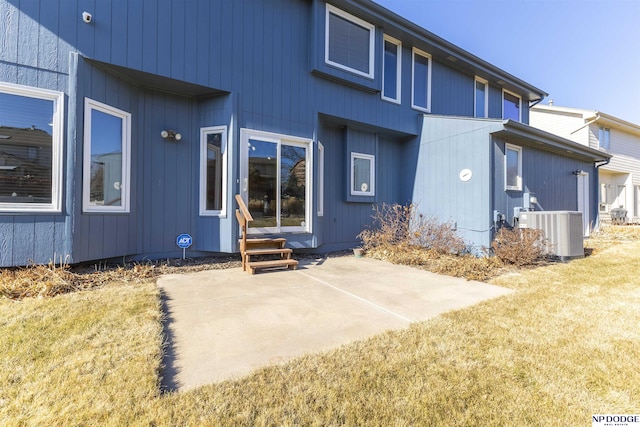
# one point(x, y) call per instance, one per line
point(602, 163)
point(536, 102)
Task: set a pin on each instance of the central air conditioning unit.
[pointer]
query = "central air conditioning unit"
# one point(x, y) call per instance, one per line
point(563, 230)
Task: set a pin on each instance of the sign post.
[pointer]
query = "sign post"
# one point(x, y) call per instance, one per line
point(184, 241)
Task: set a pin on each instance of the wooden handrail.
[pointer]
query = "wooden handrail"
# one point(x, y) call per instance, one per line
point(243, 208)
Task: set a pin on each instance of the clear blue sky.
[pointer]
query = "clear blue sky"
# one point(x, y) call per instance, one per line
point(584, 53)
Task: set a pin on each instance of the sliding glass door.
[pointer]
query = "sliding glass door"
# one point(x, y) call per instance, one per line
point(275, 181)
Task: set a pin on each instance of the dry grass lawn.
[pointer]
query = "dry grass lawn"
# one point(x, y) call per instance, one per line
point(564, 347)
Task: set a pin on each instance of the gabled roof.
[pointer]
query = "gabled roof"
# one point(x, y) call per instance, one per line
point(442, 49)
point(534, 137)
point(594, 116)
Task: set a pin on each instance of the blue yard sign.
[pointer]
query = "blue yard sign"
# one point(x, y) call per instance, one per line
point(184, 241)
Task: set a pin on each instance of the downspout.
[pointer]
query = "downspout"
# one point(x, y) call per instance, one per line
point(597, 165)
point(602, 162)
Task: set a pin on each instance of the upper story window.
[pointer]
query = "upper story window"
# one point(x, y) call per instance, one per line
point(511, 106)
point(349, 43)
point(421, 81)
point(481, 98)
point(604, 138)
point(213, 171)
point(392, 70)
point(107, 165)
point(31, 122)
point(512, 167)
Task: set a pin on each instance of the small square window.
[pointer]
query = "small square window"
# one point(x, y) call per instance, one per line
point(362, 174)
point(349, 42)
point(513, 167)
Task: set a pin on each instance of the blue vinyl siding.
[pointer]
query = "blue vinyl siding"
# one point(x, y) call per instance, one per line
point(451, 91)
point(549, 176)
point(241, 64)
point(343, 219)
point(447, 146)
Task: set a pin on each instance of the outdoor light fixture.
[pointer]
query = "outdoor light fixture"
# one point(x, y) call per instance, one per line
point(171, 135)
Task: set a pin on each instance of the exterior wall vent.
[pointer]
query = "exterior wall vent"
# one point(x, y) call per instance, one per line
point(563, 229)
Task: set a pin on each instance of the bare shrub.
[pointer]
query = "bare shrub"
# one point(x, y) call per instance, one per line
point(519, 247)
point(468, 266)
point(397, 227)
point(42, 281)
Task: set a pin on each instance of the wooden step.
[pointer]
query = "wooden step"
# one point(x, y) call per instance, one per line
point(289, 263)
point(269, 251)
point(266, 243)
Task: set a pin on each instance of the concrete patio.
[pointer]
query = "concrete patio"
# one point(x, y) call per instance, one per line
point(223, 324)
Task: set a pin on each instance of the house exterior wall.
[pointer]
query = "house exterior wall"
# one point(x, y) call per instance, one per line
point(549, 176)
point(447, 146)
point(617, 179)
point(245, 65)
point(566, 125)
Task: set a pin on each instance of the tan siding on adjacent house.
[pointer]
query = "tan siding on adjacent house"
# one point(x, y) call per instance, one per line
point(561, 124)
point(626, 150)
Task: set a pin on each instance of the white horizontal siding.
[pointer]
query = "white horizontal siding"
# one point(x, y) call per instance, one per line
point(561, 124)
point(593, 136)
point(625, 148)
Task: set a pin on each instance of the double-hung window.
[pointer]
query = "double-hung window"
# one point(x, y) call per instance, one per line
point(513, 167)
point(31, 133)
point(604, 138)
point(421, 81)
point(481, 98)
point(363, 174)
point(213, 171)
point(511, 106)
point(349, 42)
point(107, 158)
point(392, 70)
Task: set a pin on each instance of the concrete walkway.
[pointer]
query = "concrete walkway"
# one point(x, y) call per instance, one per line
point(222, 324)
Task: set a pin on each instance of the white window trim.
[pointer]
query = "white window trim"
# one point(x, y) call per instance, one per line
point(372, 31)
point(372, 174)
point(398, 44)
point(320, 179)
point(57, 136)
point(416, 51)
point(125, 185)
point(517, 187)
point(486, 97)
point(224, 143)
point(519, 103)
point(245, 136)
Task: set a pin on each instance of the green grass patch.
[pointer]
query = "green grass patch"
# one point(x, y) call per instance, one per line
point(565, 346)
